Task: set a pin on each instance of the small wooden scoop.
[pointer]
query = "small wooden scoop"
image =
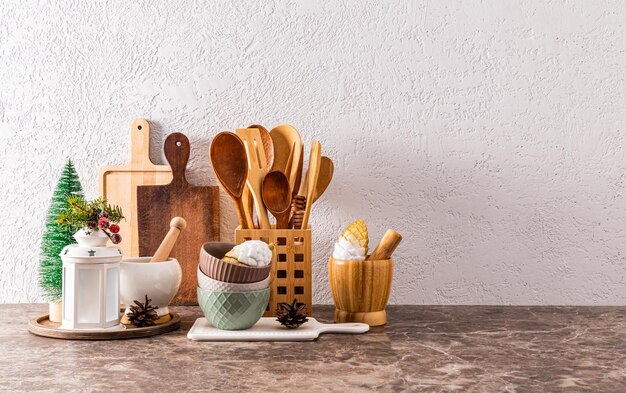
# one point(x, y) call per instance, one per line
point(387, 245)
point(277, 197)
point(228, 158)
point(163, 252)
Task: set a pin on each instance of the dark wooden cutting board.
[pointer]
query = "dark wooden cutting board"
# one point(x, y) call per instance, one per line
point(199, 205)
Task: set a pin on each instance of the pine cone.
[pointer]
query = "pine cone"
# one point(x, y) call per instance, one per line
point(143, 314)
point(291, 315)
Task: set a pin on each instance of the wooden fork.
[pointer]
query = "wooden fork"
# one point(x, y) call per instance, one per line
point(257, 168)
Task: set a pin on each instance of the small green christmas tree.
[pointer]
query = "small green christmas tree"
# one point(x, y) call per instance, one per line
point(56, 237)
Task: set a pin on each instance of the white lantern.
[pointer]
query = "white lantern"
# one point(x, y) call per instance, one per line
point(91, 280)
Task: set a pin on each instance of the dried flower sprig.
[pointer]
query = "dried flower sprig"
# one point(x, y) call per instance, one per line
point(93, 215)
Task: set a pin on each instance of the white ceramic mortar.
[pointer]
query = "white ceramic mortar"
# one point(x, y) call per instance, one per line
point(159, 280)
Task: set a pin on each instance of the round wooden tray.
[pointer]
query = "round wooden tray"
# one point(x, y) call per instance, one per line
point(41, 326)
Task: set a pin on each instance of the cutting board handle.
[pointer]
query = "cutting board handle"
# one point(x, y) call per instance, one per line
point(140, 145)
point(352, 327)
point(177, 153)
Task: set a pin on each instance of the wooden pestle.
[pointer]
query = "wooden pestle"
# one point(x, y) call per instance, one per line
point(387, 245)
point(165, 248)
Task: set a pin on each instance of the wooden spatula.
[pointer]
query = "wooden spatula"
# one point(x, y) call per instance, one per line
point(313, 174)
point(287, 139)
point(198, 204)
point(268, 147)
point(230, 164)
point(327, 168)
point(257, 168)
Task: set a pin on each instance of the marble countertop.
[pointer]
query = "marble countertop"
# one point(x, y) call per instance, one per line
point(423, 348)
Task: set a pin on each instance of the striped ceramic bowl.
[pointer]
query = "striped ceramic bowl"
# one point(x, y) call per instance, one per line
point(206, 282)
point(211, 265)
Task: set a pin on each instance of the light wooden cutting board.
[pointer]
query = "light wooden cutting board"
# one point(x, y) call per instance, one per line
point(118, 183)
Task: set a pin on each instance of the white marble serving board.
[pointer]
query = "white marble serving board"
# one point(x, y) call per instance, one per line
point(268, 329)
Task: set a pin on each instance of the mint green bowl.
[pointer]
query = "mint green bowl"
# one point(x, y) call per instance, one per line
point(233, 310)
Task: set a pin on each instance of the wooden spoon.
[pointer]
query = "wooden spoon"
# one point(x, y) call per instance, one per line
point(257, 168)
point(230, 164)
point(277, 197)
point(327, 168)
point(313, 172)
point(165, 248)
point(287, 143)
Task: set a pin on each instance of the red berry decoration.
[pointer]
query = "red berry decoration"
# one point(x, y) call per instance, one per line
point(116, 238)
point(114, 228)
point(103, 223)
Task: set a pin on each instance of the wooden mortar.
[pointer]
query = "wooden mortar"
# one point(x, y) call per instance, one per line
point(360, 289)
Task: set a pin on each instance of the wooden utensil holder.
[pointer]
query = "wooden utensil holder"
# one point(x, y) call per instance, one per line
point(291, 264)
point(360, 289)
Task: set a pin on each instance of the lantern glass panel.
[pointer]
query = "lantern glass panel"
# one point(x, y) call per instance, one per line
point(112, 297)
point(88, 296)
point(68, 310)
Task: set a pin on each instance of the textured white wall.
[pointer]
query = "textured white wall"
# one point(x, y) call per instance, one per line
point(489, 133)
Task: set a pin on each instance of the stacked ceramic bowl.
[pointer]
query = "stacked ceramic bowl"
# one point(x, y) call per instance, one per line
point(231, 296)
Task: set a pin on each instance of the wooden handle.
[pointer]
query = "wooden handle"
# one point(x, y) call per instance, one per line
point(304, 185)
point(242, 213)
point(177, 153)
point(140, 144)
point(247, 203)
point(261, 211)
point(387, 245)
point(298, 179)
point(282, 220)
point(290, 163)
point(313, 173)
point(163, 252)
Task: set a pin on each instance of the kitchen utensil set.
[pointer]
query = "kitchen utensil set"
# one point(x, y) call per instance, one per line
point(270, 164)
point(260, 170)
